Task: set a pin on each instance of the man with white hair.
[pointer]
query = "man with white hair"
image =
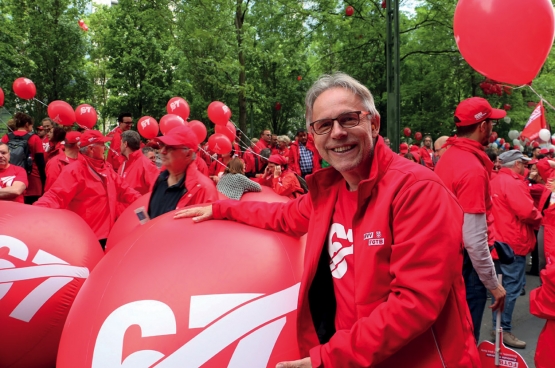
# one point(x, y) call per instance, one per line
point(381, 284)
point(515, 221)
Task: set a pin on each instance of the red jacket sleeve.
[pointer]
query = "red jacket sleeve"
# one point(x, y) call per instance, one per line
point(62, 191)
point(544, 169)
point(522, 205)
point(53, 170)
point(286, 185)
point(542, 299)
point(293, 163)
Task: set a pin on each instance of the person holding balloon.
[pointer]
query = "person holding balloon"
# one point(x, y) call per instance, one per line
point(125, 122)
point(381, 284)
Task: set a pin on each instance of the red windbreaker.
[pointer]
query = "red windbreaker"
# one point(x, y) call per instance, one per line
point(426, 157)
point(542, 305)
point(286, 184)
point(409, 294)
point(139, 172)
point(295, 156)
point(92, 196)
point(115, 158)
point(55, 166)
point(514, 212)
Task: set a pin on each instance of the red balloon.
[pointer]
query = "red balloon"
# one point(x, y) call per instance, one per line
point(418, 136)
point(199, 129)
point(495, 135)
point(61, 112)
point(229, 130)
point(219, 143)
point(535, 144)
point(1, 97)
point(243, 299)
point(219, 113)
point(501, 141)
point(86, 116)
point(278, 106)
point(300, 77)
point(507, 146)
point(41, 272)
point(148, 127)
point(349, 10)
point(406, 132)
point(170, 121)
point(24, 88)
point(178, 106)
point(507, 107)
point(520, 49)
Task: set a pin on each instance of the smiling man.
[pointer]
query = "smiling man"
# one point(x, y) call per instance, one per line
point(381, 285)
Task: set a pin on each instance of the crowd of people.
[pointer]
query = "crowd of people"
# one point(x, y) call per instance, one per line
point(403, 250)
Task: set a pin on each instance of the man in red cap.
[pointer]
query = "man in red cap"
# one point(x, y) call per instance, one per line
point(283, 181)
point(181, 184)
point(70, 154)
point(125, 122)
point(90, 187)
point(137, 170)
point(13, 179)
point(466, 169)
point(403, 149)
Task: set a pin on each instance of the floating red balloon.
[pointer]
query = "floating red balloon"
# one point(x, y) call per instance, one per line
point(494, 135)
point(229, 130)
point(24, 88)
point(86, 116)
point(278, 106)
point(519, 33)
point(507, 146)
point(178, 106)
point(199, 129)
point(1, 97)
point(148, 127)
point(219, 113)
point(300, 77)
point(219, 143)
point(535, 144)
point(349, 10)
point(61, 112)
point(418, 136)
point(501, 141)
point(170, 121)
point(406, 132)
point(492, 138)
point(507, 107)
point(41, 272)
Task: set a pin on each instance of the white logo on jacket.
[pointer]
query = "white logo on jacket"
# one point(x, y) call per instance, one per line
point(378, 240)
point(337, 250)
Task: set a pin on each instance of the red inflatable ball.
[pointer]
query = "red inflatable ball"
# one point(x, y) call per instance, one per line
point(199, 129)
point(178, 106)
point(1, 97)
point(61, 112)
point(219, 143)
point(349, 10)
point(228, 130)
point(24, 88)
point(184, 294)
point(418, 136)
point(170, 121)
point(519, 33)
point(41, 272)
point(86, 116)
point(218, 113)
point(406, 132)
point(148, 127)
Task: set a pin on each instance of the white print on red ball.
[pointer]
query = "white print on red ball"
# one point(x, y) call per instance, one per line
point(157, 319)
point(339, 249)
point(44, 264)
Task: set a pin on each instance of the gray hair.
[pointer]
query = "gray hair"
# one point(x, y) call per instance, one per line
point(132, 138)
point(83, 150)
point(147, 149)
point(509, 163)
point(339, 80)
point(284, 138)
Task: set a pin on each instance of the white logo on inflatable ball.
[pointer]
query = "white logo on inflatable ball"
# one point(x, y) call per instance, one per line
point(248, 313)
point(59, 274)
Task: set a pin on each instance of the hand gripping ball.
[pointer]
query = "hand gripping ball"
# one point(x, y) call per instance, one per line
point(212, 294)
point(45, 257)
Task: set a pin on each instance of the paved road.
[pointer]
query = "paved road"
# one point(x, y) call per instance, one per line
point(525, 326)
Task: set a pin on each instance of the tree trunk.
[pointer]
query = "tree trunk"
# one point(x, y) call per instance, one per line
point(239, 18)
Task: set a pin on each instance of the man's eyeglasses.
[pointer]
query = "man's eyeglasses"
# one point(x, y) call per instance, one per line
point(346, 120)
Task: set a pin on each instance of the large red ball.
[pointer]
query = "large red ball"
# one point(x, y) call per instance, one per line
point(212, 294)
point(41, 272)
point(24, 88)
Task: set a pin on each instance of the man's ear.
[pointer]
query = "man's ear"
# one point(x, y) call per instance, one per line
point(375, 126)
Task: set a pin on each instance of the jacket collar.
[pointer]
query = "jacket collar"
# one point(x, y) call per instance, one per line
point(506, 170)
point(476, 149)
point(134, 156)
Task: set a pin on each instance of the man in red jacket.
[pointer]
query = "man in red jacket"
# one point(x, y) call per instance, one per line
point(515, 221)
point(381, 285)
point(465, 169)
point(13, 179)
point(90, 187)
point(265, 141)
point(69, 154)
point(304, 158)
point(282, 180)
point(125, 122)
point(427, 153)
point(136, 170)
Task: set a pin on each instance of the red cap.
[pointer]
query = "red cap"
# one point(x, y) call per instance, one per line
point(92, 136)
point(414, 148)
point(180, 136)
point(276, 159)
point(474, 110)
point(544, 151)
point(72, 137)
point(533, 161)
point(403, 148)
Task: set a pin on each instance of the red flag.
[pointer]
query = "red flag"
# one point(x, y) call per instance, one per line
point(535, 123)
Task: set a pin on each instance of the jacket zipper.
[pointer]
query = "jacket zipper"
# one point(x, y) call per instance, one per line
point(437, 347)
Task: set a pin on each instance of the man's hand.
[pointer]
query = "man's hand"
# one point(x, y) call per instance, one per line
point(499, 294)
point(277, 171)
point(198, 214)
point(303, 363)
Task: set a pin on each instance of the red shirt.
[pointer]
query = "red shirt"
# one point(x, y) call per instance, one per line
point(260, 145)
point(45, 143)
point(340, 249)
point(139, 172)
point(54, 167)
point(9, 175)
point(35, 146)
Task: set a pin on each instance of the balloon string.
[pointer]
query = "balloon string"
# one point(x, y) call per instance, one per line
point(10, 129)
point(212, 158)
point(39, 101)
point(242, 144)
point(533, 90)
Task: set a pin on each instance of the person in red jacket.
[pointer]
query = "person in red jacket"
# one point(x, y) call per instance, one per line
point(515, 221)
point(69, 154)
point(265, 141)
point(13, 179)
point(381, 285)
point(90, 187)
point(427, 153)
point(181, 184)
point(136, 170)
point(304, 158)
point(125, 122)
point(542, 305)
point(283, 181)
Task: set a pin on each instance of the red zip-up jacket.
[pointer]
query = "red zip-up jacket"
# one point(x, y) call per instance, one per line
point(115, 158)
point(514, 212)
point(542, 305)
point(295, 156)
point(139, 172)
point(409, 293)
point(425, 154)
point(55, 166)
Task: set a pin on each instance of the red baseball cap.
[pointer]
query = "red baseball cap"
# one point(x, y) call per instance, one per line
point(92, 136)
point(544, 151)
point(180, 136)
point(475, 110)
point(414, 148)
point(276, 159)
point(533, 161)
point(403, 148)
point(72, 137)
